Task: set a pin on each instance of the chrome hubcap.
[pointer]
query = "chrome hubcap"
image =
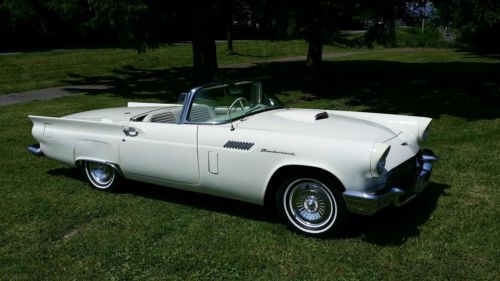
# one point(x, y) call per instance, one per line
point(310, 203)
point(101, 173)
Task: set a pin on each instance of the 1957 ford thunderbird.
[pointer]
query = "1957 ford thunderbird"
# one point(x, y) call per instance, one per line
point(235, 140)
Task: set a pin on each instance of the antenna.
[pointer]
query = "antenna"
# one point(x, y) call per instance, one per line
point(230, 119)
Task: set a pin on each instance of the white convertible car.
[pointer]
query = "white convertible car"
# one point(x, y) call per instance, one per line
point(233, 139)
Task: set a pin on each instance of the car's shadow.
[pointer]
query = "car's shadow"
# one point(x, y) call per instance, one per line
point(392, 226)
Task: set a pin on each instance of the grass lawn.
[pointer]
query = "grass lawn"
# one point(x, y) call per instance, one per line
point(30, 71)
point(54, 227)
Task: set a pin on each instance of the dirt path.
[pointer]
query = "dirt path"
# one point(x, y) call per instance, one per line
point(329, 55)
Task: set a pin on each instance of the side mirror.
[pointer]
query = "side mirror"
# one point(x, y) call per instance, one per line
point(181, 98)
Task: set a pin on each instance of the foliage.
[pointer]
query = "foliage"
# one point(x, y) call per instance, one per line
point(414, 37)
point(382, 14)
point(418, 10)
point(477, 21)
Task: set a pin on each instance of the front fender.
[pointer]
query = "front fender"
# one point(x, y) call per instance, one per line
point(347, 160)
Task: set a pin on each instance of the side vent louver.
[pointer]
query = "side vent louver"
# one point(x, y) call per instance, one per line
point(238, 145)
point(322, 115)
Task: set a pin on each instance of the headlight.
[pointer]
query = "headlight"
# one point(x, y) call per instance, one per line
point(377, 159)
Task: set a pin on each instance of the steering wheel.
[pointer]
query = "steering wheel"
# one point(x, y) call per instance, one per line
point(242, 106)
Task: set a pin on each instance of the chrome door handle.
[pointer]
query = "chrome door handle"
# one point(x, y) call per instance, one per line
point(130, 131)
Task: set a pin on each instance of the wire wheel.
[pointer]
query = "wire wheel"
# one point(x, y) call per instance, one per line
point(309, 205)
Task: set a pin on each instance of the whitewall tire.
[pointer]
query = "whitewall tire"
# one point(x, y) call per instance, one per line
point(311, 205)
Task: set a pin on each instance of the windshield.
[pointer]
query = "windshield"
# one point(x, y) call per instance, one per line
point(225, 102)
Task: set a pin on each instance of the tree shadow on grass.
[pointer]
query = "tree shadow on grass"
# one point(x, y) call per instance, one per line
point(134, 83)
point(463, 89)
point(389, 227)
point(467, 90)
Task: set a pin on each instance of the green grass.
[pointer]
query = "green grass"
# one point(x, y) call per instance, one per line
point(54, 227)
point(38, 70)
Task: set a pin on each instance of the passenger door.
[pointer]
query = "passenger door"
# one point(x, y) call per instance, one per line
point(161, 152)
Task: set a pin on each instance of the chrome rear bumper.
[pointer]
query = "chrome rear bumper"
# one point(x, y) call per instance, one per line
point(368, 204)
point(35, 149)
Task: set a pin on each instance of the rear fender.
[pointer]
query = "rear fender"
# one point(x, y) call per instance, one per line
point(97, 151)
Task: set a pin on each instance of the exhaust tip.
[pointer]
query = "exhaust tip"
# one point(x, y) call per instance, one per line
point(35, 149)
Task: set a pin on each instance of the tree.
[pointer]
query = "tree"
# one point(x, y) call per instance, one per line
point(312, 20)
point(204, 48)
point(478, 21)
point(148, 23)
point(420, 10)
point(314, 33)
point(383, 14)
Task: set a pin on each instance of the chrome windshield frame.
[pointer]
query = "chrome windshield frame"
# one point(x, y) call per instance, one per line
point(190, 97)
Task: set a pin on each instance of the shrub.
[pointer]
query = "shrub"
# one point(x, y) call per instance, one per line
point(414, 37)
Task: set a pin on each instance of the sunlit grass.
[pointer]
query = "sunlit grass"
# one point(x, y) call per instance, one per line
point(54, 227)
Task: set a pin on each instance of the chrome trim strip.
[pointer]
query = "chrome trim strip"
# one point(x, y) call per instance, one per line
point(35, 149)
point(368, 204)
point(188, 100)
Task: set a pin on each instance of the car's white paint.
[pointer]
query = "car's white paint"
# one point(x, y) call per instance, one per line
point(162, 151)
point(193, 157)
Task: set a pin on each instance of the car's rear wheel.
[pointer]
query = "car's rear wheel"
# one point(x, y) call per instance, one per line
point(101, 176)
point(311, 205)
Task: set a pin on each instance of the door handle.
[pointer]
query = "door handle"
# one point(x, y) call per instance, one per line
point(130, 131)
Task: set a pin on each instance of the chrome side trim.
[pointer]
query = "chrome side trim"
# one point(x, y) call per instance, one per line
point(368, 204)
point(35, 149)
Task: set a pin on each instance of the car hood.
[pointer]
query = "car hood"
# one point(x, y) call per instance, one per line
point(318, 123)
point(115, 114)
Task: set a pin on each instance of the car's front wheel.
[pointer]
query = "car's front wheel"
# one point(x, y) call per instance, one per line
point(101, 175)
point(311, 205)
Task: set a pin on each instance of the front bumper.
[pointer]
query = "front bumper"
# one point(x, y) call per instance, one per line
point(368, 203)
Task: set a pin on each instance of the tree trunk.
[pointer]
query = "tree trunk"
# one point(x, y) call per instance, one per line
point(230, 50)
point(314, 32)
point(391, 26)
point(204, 60)
point(204, 48)
point(314, 53)
point(314, 37)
